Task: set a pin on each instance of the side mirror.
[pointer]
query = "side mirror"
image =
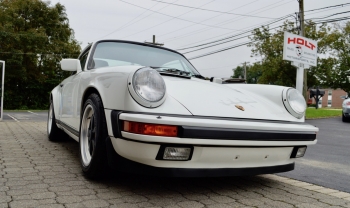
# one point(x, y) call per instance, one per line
point(216, 80)
point(70, 65)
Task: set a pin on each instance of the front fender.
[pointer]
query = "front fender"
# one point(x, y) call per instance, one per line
point(55, 95)
point(112, 85)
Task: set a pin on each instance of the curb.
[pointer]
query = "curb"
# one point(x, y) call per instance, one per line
point(309, 186)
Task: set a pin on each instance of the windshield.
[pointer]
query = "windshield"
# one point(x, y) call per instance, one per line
point(109, 54)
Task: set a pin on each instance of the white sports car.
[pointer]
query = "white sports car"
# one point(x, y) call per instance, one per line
point(145, 109)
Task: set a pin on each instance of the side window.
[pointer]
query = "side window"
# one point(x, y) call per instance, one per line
point(174, 64)
point(177, 64)
point(83, 59)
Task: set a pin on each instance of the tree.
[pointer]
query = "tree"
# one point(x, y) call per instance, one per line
point(253, 73)
point(333, 60)
point(334, 69)
point(268, 45)
point(238, 72)
point(34, 37)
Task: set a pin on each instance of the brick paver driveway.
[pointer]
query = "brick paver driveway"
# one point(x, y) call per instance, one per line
point(39, 173)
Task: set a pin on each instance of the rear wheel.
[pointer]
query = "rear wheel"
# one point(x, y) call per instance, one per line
point(54, 134)
point(93, 132)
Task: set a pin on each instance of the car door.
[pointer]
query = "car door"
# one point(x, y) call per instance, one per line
point(70, 111)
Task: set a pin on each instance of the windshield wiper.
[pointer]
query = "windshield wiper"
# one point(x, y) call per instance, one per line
point(198, 76)
point(173, 71)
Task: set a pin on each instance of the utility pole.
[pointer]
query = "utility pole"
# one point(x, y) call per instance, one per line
point(154, 42)
point(245, 70)
point(302, 33)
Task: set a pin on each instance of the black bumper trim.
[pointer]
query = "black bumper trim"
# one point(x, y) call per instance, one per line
point(224, 133)
point(237, 134)
point(120, 163)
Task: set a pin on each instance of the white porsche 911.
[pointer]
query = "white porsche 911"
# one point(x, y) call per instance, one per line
point(145, 109)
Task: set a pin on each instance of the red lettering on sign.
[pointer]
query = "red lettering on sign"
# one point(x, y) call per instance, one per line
point(306, 44)
point(301, 41)
point(312, 46)
point(291, 40)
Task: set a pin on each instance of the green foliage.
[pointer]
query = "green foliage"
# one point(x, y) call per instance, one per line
point(333, 66)
point(268, 45)
point(34, 37)
point(334, 69)
point(253, 73)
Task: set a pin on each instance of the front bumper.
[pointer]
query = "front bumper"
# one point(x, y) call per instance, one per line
point(346, 111)
point(221, 147)
point(135, 160)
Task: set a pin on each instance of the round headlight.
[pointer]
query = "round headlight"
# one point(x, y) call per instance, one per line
point(295, 102)
point(148, 87)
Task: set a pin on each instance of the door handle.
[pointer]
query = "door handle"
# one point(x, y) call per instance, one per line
point(61, 85)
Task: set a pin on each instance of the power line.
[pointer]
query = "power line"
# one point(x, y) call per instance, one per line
point(178, 18)
point(235, 35)
point(235, 65)
point(205, 19)
point(325, 10)
point(332, 20)
point(128, 23)
point(225, 42)
point(209, 10)
point(247, 32)
point(329, 15)
point(246, 43)
point(226, 22)
point(328, 7)
point(220, 50)
point(166, 20)
point(338, 5)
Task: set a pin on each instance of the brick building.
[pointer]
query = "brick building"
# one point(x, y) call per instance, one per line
point(332, 98)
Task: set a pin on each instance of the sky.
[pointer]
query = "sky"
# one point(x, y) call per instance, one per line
point(180, 24)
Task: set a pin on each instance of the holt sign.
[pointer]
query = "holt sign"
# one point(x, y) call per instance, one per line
point(299, 49)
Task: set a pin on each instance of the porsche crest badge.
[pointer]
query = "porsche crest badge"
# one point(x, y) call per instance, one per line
point(240, 107)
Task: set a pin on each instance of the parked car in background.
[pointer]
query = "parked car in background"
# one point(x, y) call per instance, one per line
point(346, 110)
point(145, 109)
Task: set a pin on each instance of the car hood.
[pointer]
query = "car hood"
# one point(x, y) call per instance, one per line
point(204, 98)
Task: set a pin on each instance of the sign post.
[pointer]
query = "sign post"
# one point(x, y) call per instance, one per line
point(2, 79)
point(302, 52)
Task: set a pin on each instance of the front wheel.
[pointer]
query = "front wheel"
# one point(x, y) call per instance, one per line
point(93, 132)
point(345, 119)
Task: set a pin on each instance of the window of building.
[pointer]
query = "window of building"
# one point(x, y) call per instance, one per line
point(329, 103)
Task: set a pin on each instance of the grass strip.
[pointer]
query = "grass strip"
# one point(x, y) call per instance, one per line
point(312, 113)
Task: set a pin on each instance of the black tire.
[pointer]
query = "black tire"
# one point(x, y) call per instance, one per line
point(345, 119)
point(54, 134)
point(92, 135)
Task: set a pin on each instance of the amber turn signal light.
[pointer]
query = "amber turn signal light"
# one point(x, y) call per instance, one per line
point(150, 129)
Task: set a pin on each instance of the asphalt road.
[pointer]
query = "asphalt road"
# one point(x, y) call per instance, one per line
point(22, 116)
point(328, 162)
